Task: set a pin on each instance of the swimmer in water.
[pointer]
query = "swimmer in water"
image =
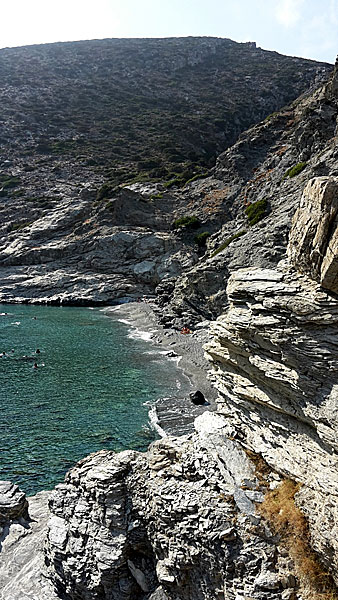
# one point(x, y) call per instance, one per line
point(37, 351)
point(35, 366)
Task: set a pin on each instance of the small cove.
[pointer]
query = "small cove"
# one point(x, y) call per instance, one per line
point(91, 390)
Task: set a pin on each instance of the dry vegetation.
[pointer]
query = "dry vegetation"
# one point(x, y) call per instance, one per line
point(289, 523)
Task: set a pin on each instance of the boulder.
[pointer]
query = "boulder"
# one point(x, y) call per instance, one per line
point(197, 398)
point(13, 502)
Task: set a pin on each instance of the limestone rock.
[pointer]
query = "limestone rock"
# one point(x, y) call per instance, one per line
point(274, 358)
point(174, 523)
point(22, 560)
point(13, 503)
point(313, 245)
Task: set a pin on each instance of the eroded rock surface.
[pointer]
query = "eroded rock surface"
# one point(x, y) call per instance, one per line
point(176, 523)
point(22, 560)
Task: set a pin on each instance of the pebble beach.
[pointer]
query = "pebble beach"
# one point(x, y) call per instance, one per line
point(172, 416)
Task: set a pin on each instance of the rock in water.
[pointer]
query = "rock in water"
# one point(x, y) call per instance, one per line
point(197, 398)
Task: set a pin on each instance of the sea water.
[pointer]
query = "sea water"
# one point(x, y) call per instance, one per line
point(91, 390)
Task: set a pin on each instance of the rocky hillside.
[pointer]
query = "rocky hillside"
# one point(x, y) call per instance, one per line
point(257, 185)
point(80, 119)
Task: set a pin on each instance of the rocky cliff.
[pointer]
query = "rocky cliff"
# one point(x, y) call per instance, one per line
point(188, 519)
point(265, 171)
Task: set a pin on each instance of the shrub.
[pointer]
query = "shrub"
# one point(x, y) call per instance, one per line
point(196, 177)
point(256, 211)
point(227, 242)
point(201, 238)
point(188, 222)
point(106, 191)
point(158, 196)
point(295, 170)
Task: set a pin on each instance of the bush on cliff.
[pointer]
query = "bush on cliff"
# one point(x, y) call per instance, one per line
point(256, 211)
point(188, 222)
point(287, 521)
point(295, 170)
point(227, 242)
point(201, 238)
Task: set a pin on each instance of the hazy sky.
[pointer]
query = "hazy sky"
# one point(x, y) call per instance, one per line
point(307, 28)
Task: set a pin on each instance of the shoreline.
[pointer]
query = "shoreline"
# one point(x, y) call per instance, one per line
point(171, 416)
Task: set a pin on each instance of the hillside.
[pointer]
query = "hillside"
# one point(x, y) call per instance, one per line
point(77, 119)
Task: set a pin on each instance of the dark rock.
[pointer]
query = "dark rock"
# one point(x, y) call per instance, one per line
point(197, 398)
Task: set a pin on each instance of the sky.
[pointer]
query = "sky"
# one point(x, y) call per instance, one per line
point(306, 28)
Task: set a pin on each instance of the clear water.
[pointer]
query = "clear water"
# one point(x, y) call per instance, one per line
point(89, 391)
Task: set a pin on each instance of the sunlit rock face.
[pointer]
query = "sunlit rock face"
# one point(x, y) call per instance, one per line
point(313, 245)
point(175, 523)
point(274, 357)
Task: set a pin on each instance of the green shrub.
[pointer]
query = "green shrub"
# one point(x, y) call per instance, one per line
point(256, 211)
point(156, 196)
point(201, 238)
point(7, 181)
point(169, 184)
point(18, 226)
point(188, 222)
point(106, 191)
point(295, 170)
point(196, 177)
point(227, 242)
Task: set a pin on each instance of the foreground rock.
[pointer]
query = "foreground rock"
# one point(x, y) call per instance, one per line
point(176, 523)
point(13, 503)
point(22, 560)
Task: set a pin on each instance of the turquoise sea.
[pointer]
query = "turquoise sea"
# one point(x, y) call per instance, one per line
point(91, 390)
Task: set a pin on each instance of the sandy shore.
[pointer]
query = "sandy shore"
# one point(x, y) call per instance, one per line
point(174, 416)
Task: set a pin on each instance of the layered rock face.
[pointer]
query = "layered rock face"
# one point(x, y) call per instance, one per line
point(313, 246)
point(303, 137)
point(274, 355)
point(176, 523)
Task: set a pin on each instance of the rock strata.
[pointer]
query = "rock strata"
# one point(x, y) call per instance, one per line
point(313, 245)
point(13, 503)
point(274, 357)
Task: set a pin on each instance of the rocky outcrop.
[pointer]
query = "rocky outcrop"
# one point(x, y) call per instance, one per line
point(22, 535)
point(313, 245)
point(176, 523)
point(13, 503)
point(74, 254)
point(274, 357)
point(259, 167)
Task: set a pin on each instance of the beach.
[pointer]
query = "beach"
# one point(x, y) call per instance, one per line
point(176, 415)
